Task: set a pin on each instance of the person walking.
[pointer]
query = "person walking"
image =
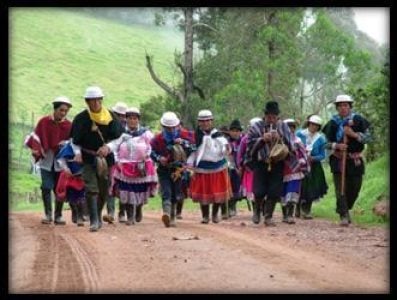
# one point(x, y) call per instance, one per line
point(314, 185)
point(210, 183)
point(268, 174)
point(50, 133)
point(134, 177)
point(346, 131)
point(91, 130)
point(170, 148)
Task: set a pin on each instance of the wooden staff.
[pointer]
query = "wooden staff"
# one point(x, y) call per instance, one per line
point(343, 167)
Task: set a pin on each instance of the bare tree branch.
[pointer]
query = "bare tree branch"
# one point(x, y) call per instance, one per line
point(160, 83)
point(205, 25)
point(199, 91)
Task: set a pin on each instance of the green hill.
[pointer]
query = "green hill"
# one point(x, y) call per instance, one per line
point(55, 51)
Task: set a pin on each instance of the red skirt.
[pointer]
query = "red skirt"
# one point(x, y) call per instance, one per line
point(209, 188)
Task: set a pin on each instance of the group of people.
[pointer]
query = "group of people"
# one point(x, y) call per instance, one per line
point(105, 154)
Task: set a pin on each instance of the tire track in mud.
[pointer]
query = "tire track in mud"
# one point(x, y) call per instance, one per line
point(88, 271)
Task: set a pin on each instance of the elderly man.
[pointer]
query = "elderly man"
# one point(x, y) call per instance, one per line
point(49, 135)
point(268, 174)
point(346, 131)
point(91, 130)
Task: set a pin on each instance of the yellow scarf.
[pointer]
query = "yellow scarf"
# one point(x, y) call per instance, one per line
point(103, 117)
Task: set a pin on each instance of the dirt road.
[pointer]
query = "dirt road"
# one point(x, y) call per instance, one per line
point(234, 256)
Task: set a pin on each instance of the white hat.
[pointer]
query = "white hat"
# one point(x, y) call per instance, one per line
point(120, 108)
point(315, 120)
point(289, 121)
point(254, 120)
point(205, 114)
point(93, 92)
point(343, 98)
point(169, 119)
point(62, 99)
point(133, 110)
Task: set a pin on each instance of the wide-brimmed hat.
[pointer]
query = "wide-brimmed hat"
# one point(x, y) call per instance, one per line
point(133, 110)
point(254, 120)
point(315, 120)
point(205, 114)
point(236, 125)
point(93, 92)
point(169, 119)
point(343, 98)
point(271, 107)
point(62, 99)
point(290, 121)
point(120, 108)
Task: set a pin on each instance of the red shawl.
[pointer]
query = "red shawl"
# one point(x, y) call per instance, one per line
point(51, 133)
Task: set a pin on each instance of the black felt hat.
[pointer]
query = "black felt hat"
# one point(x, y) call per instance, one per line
point(236, 125)
point(272, 108)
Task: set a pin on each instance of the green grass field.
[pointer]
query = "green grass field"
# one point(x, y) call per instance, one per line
point(375, 184)
point(54, 51)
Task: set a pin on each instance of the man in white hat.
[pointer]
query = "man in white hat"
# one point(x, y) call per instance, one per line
point(346, 131)
point(91, 130)
point(45, 141)
point(211, 182)
point(170, 147)
point(120, 109)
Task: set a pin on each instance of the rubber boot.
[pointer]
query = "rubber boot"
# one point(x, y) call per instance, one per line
point(73, 208)
point(58, 220)
point(306, 210)
point(224, 208)
point(173, 215)
point(257, 210)
point(166, 218)
point(205, 211)
point(122, 212)
point(46, 196)
point(92, 203)
point(270, 204)
point(290, 213)
point(100, 204)
point(130, 214)
point(179, 206)
point(80, 213)
point(86, 211)
point(285, 215)
point(215, 209)
point(344, 221)
point(298, 209)
point(110, 209)
point(232, 208)
point(138, 215)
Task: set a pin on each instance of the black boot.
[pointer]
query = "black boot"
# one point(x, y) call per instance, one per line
point(130, 214)
point(224, 212)
point(110, 209)
point(298, 209)
point(73, 208)
point(80, 212)
point(270, 204)
point(139, 215)
point(232, 208)
point(290, 213)
point(215, 209)
point(92, 203)
point(285, 215)
point(257, 210)
point(179, 206)
point(306, 208)
point(86, 211)
point(122, 212)
point(46, 196)
point(173, 215)
point(205, 211)
point(58, 220)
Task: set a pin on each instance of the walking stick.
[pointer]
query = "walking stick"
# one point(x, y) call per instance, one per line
point(343, 171)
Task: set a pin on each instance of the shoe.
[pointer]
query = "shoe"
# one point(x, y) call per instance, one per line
point(86, 218)
point(307, 216)
point(122, 219)
point(80, 222)
point(46, 220)
point(269, 223)
point(108, 218)
point(344, 222)
point(59, 221)
point(215, 219)
point(130, 222)
point(205, 221)
point(290, 220)
point(166, 220)
point(172, 222)
point(179, 217)
point(285, 219)
point(94, 228)
point(225, 217)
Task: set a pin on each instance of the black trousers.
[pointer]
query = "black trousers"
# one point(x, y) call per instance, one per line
point(352, 190)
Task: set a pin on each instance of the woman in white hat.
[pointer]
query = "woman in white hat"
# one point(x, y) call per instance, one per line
point(357, 131)
point(170, 148)
point(134, 177)
point(210, 183)
point(314, 185)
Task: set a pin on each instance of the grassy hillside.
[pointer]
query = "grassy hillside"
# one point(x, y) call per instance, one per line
point(55, 52)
